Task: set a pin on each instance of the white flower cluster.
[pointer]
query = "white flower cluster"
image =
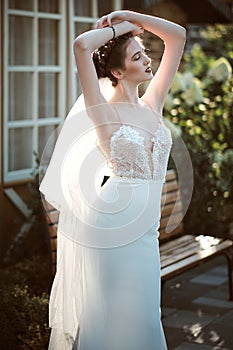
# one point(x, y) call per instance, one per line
point(191, 88)
point(188, 86)
point(221, 70)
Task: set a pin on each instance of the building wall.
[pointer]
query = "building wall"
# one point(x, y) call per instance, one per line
point(38, 74)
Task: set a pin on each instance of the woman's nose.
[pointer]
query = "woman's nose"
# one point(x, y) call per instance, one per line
point(146, 60)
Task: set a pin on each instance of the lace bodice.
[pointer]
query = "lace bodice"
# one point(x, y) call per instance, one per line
point(130, 158)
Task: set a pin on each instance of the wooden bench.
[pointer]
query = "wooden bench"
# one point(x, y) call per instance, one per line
point(179, 251)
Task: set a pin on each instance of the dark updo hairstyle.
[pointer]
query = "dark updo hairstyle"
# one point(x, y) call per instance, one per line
point(111, 56)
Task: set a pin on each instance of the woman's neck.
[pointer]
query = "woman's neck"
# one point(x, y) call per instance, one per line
point(125, 93)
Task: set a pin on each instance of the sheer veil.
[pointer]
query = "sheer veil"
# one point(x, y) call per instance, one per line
point(70, 179)
point(77, 139)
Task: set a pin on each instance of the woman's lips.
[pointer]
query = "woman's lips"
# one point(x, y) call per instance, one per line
point(148, 70)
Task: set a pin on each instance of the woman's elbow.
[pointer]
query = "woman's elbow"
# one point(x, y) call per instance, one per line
point(182, 33)
point(79, 43)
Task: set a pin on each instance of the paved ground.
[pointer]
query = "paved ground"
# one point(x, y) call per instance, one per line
point(197, 313)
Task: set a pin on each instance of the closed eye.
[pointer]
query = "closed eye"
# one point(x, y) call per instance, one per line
point(138, 54)
point(137, 57)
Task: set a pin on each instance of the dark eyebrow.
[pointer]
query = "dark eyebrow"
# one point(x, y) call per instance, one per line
point(136, 53)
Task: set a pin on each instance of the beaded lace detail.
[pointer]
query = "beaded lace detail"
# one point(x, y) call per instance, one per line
point(130, 158)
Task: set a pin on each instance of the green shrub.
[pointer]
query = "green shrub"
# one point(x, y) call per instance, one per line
point(200, 104)
point(24, 323)
point(24, 305)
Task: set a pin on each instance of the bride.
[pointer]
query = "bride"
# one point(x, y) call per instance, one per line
point(106, 292)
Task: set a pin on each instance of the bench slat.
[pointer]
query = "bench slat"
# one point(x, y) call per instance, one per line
point(181, 253)
point(171, 246)
point(171, 175)
point(171, 197)
point(52, 231)
point(53, 243)
point(181, 248)
point(176, 242)
point(172, 270)
point(167, 209)
point(165, 234)
point(53, 216)
point(170, 186)
point(171, 220)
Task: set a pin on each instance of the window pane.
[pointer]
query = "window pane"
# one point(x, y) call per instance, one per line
point(82, 8)
point(82, 27)
point(104, 7)
point(48, 95)
point(49, 6)
point(20, 96)
point(21, 4)
point(20, 40)
point(20, 148)
point(48, 42)
point(47, 138)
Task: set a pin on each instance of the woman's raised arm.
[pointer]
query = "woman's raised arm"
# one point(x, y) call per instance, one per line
point(174, 37)
point(84, 45)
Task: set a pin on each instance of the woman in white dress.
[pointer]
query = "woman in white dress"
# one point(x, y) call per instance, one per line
point(106, 293)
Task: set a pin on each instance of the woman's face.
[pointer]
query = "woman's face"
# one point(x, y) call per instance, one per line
point(137, 63)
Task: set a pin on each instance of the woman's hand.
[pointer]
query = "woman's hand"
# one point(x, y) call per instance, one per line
point(111, 19)
point(119, 18)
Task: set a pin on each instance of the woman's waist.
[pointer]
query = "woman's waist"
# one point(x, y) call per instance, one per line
point(134, 189)
point(134, 180)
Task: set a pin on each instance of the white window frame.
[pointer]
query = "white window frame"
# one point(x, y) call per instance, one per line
point(116, 5)
point(67, 80)
point(35, 69)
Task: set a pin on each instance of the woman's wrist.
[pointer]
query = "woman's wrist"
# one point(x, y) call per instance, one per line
point(125, 27)
point(159, 26)
point(134, 17)
point(113, 32)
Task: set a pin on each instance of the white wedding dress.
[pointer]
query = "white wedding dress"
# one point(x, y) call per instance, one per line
point(106, 292)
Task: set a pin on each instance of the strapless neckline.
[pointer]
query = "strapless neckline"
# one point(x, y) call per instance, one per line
point(130, 157)
point(152, 139)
